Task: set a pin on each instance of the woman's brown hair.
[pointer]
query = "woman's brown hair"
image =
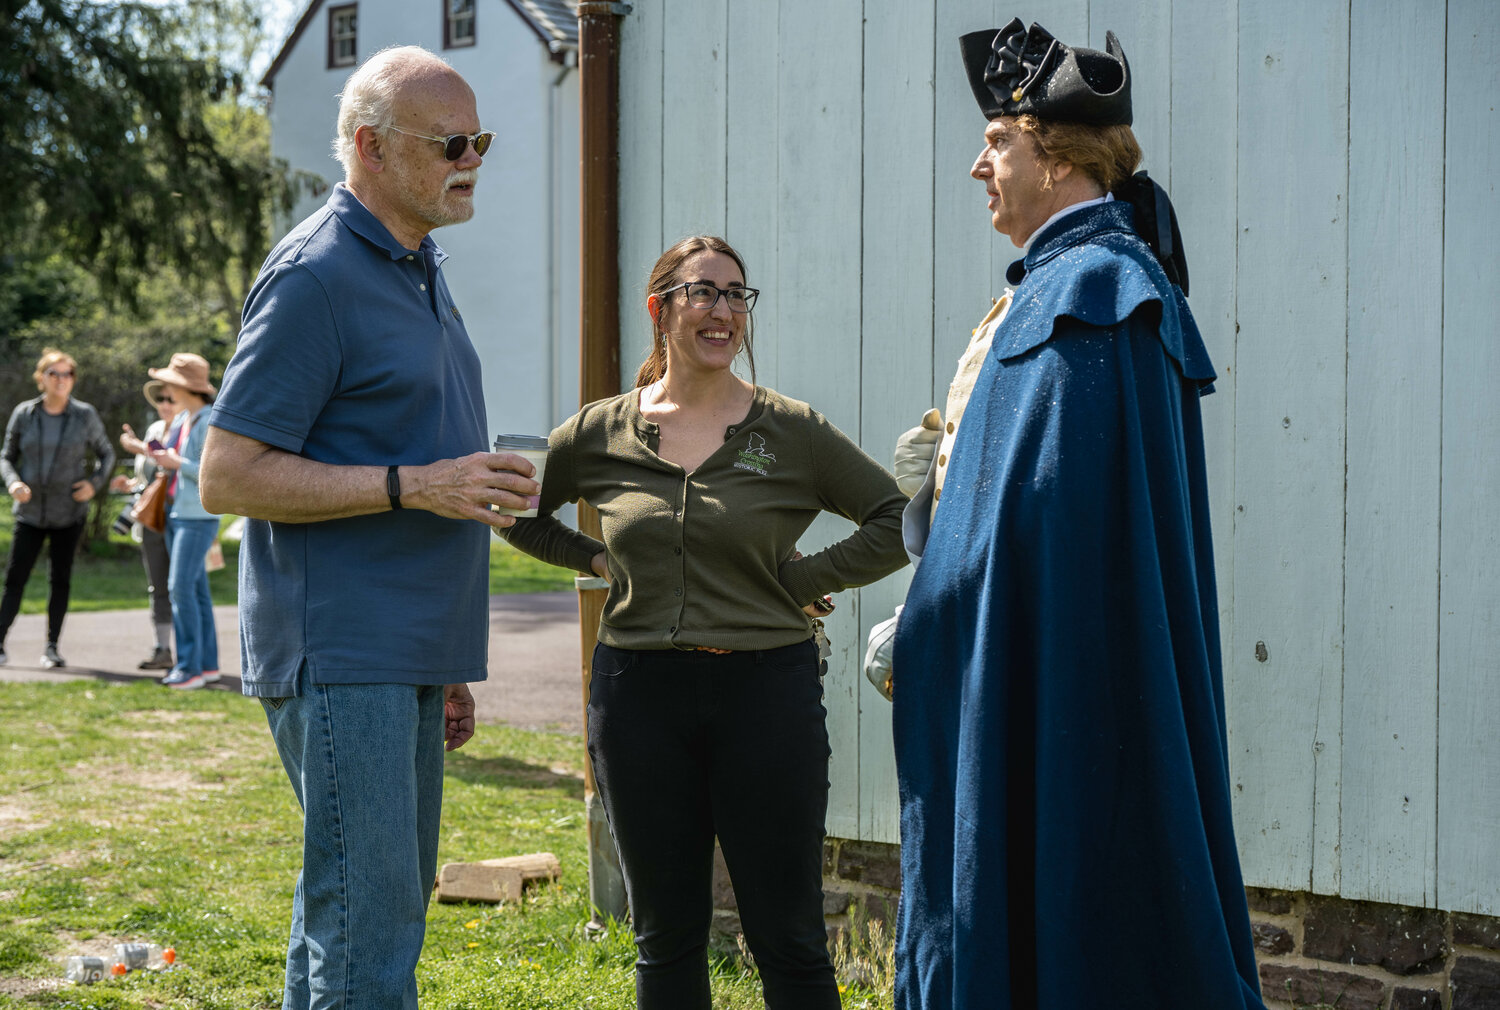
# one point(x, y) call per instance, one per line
point(663, 278)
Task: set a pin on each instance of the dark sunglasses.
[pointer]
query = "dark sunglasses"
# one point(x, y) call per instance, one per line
point(57, 373)
point(453, 146)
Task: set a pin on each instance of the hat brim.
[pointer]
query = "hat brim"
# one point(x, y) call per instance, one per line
point(178, 379)
point(152, 391)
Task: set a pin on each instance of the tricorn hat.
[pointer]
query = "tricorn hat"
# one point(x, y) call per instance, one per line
point(1018, 71)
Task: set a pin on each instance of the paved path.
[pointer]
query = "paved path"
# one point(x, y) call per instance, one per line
point(535, 672)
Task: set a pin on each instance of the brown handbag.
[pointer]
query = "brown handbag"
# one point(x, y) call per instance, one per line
point(151, 504)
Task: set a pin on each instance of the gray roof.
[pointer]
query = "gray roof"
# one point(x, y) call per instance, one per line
point(555, 21)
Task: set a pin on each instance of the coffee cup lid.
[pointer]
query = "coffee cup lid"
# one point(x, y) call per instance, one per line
point(533, 442)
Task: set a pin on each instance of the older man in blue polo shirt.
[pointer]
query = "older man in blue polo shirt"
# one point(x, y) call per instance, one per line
point(351, 431)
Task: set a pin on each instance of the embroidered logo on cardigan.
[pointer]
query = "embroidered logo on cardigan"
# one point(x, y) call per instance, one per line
point(754, 456)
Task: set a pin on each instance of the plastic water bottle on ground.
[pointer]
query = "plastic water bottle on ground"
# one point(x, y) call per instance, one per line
point(84, 968)
point(139, 956)
point(87, 968)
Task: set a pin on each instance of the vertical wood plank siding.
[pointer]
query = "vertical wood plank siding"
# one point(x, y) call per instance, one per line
point(1340, 215)
point(1289, 438)
point(1468, 760)
point(1389, 795)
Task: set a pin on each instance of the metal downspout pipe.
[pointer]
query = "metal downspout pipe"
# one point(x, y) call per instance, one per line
point(598, 361)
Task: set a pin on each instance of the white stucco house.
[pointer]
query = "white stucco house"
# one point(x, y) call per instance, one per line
point(513, 268)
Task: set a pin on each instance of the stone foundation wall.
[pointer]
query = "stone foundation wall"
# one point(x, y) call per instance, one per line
point(1314, 951)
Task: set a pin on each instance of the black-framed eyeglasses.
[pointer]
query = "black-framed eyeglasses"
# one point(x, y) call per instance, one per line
point(703, 295)
point(455, 144)
point(58, 373)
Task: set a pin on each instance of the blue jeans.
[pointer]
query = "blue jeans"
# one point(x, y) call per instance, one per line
point(366, 762)
point(689, 745)
point(193, 627)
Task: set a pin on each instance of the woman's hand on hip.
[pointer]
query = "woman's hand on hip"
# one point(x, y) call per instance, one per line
point(82, 490)
point(821, 607)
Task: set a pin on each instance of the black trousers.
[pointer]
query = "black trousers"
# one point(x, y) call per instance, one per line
point(689, 745)
point(25, 548)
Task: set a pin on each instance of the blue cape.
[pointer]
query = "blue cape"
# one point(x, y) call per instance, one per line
point(1059, 708)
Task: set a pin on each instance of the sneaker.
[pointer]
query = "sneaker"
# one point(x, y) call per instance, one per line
point(183, 681)
point(160, 659)
point(211, 676)
point(50, 658)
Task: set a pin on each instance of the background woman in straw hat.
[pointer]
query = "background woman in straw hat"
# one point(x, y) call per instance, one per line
point(191, 528)
point(45, 468)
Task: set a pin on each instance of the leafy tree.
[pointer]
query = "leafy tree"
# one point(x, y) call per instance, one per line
point(131, 142)
point(141, 190)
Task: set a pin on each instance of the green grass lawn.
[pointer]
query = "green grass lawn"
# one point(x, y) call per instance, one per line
point(108, 575)
point(129, 813)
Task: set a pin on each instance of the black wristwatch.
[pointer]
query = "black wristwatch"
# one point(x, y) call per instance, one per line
point(393, 487)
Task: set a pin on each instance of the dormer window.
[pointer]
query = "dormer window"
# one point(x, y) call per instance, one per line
point(458, 23)
point(343, 50)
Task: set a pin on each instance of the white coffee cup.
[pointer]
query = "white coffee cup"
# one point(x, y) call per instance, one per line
point(533, 448)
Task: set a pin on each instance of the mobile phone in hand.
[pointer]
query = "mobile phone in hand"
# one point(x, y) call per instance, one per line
point(155, 446)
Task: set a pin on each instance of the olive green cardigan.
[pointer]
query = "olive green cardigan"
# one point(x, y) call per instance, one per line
point(706, 558)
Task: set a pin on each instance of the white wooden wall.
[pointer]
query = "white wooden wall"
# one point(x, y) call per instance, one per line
point(1334, 165)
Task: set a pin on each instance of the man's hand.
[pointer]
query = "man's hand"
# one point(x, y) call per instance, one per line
point(466, 488)
point(83, 490)
point(458, 716)
point(914, 451)
point(246, 477)
point(20, 491)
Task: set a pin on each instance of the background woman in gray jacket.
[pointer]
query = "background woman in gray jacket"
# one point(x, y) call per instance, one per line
point(45, 467)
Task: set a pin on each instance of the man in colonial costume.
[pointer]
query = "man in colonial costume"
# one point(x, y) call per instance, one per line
point(1059, 705)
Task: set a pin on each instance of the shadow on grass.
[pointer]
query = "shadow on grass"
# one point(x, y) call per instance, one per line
point(228, 682)
point(503, 772)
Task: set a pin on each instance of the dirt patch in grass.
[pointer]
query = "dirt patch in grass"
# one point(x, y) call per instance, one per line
point(143, 781)
point(20, 988)
point(17, 815)
point(170, 716)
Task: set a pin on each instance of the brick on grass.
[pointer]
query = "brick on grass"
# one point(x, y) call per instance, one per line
point(495, 880)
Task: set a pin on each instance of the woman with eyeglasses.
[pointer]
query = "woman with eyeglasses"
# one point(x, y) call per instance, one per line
point(46, 469)
point(153, 543)
point(705, 711)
